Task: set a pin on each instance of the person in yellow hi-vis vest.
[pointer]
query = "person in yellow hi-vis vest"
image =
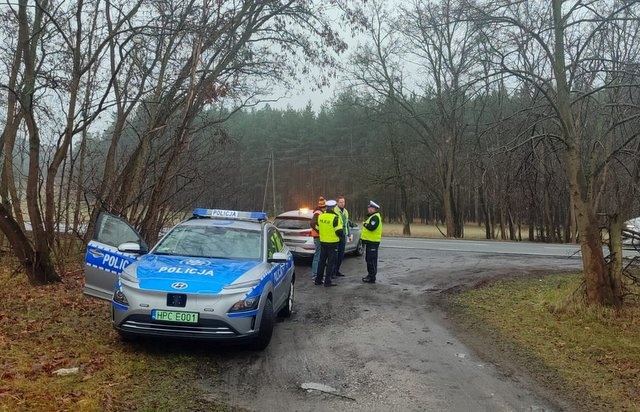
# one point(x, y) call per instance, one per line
point(330, 229)
point(371, 237)
point(322, 204)
point(342, 211)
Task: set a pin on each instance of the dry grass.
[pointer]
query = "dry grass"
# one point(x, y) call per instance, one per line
point(593, 352)
point(48, 328)
point(471, 231)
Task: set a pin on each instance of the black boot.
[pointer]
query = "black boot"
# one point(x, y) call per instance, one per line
point(368, 279)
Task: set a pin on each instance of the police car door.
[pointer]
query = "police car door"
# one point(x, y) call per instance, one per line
point(275, 243)
point(103, 261)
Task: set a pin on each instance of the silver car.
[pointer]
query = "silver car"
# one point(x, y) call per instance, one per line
point(295, 226)
point(220, 275)
point(631, 233)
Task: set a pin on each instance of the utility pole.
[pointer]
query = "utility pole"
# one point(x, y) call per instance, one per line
point(273, 182)
point(266, 184)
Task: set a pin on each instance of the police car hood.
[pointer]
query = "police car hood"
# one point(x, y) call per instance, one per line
point(189, 274)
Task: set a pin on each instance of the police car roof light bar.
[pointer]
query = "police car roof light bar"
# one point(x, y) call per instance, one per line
point(229, 214)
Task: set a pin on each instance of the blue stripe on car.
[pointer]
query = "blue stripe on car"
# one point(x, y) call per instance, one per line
point(108, 259)
point(243, 314)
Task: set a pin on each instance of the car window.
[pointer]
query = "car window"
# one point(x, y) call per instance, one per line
point(275, 243)
point(211, 242)
point(291, 223)
point(113, 231)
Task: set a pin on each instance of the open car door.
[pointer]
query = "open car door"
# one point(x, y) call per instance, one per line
point(112, 248)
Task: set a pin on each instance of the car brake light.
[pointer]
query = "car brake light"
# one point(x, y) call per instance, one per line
point(305, 233)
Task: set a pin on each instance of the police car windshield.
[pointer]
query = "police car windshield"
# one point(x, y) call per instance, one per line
point(221, 242)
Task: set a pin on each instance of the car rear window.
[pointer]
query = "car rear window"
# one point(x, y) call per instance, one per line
point(291, 223)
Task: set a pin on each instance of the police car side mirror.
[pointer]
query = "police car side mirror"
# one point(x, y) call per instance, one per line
point(278, 257)
point(131, 247)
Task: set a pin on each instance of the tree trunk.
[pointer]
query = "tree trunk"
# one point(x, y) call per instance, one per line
point(615, 250)
point(447, 199)
point(598, 285)
point(512, 225)
point(38, 266)
point(37, 261)
point(503, 235)
point(13, 118)
point(404, 212)
point(485, 212)
point(448, 189)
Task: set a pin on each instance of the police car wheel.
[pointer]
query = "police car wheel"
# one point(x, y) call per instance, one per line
point(263, 338)
point(359, 250)
point(287, 309)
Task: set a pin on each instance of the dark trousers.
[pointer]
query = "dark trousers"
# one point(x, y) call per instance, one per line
point(328, 258)
point(371, 257)
point(341, 246)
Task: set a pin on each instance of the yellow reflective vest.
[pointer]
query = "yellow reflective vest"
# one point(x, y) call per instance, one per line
point(374, 235)
point(344, 216)
point(328, 224)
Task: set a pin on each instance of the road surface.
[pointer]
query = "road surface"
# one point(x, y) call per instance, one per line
point(382, 347)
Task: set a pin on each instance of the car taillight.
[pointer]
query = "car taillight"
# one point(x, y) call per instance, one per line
point(305, 233)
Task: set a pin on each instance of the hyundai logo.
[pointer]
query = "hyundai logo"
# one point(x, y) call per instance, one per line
point(194, 262)
point(179, 285)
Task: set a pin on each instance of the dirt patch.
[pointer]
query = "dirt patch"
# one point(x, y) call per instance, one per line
point(511, 360)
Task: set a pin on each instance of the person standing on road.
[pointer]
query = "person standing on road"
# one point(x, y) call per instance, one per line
point(346, 237)
point(320, 208)
point(371, 237)
point(330, 228)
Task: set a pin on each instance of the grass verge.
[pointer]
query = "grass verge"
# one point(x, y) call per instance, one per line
point(471, 231)
point(589, 355)
point(45, 329)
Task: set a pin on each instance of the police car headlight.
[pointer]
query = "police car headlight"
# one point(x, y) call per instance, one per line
point(245, 304)
point(120, 298)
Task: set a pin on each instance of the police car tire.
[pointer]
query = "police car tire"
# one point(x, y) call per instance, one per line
point(267, 322)
point(287, 309)
point(359, 250)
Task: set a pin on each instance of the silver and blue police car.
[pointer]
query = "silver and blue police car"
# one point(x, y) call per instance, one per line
point(221, 275)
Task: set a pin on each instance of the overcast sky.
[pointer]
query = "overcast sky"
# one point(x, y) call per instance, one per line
point(299, 97)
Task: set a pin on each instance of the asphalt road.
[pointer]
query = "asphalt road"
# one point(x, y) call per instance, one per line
point(382, 347)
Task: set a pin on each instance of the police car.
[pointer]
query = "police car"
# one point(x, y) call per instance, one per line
point(221, 275)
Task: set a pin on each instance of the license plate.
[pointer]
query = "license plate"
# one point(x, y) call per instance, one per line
point(173, 316)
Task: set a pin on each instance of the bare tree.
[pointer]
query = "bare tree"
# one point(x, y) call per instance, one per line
point(556, 47)
point(427, 69)
point(53, 59)
point(70, 61)
point(444, 47)
point(378, 72)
